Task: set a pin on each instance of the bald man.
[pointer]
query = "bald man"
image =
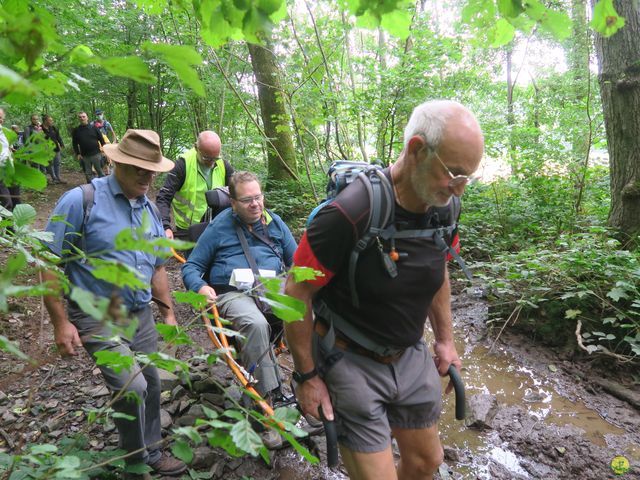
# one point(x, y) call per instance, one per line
point(196, 171)
point(371, 367)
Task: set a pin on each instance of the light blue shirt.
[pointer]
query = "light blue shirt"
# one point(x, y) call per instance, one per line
point(112, 212)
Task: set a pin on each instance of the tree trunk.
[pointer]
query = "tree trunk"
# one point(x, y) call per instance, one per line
point(281, 155)
point(132, 104)
point(619, 77)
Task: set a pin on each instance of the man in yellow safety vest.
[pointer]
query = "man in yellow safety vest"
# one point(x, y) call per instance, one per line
point(183, 193)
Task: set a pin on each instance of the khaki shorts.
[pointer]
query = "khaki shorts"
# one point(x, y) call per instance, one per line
point(369, 398)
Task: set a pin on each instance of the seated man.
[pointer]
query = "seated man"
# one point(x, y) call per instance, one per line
point(219, 251)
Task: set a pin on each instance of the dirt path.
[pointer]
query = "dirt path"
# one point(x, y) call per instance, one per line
point(539, 414)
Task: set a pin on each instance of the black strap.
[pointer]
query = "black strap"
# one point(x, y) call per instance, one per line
point(259, 288)
point(247, 251)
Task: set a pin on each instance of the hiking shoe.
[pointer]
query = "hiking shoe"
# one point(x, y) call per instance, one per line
point(168, 465)
point(271, 439)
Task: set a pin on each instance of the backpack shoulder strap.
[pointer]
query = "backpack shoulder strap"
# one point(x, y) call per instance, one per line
point(88, 194)
point(381, 213)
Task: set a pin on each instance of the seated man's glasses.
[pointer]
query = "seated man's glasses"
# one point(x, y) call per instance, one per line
point(250, 200)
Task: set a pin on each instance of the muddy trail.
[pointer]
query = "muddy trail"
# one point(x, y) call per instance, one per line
point(532, 413)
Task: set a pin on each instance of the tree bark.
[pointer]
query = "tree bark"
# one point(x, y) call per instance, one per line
point(281, 155)
point(619, 78)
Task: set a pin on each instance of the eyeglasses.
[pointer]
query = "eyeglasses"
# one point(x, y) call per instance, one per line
point(207, 158)
point(455, 181)
point(250, 200)
point(141, 172)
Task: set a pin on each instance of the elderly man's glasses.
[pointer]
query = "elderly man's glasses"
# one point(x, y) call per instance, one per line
point(250, 200)
point(455, 181)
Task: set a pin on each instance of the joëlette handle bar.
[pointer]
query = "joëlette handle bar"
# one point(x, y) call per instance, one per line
point(458, 387)
point(331, 434)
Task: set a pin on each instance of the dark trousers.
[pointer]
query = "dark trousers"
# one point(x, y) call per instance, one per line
point(144, 431)
point(9, 196)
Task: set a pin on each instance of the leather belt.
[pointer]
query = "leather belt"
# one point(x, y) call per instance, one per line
point(345, 343)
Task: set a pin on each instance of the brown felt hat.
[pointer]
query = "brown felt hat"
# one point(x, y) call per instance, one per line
point(140, 148)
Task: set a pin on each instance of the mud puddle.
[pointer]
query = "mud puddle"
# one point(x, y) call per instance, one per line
point(500, 375)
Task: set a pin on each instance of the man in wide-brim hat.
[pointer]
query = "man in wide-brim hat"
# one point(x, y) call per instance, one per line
point(93, 216)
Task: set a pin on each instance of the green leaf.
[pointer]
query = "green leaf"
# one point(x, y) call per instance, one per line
point(510, 8)
point(190, 432)
point(301, 274)
point(606, 20)
point(115, 360)
point(502, 33)
point(116, 273)
point(173, 334)
point(8, 346)
point(128, 67)
point(616, 293)
point(12, 82)
point(571, 314)
point(183, 451)
point(23, 214)
point(55, 84)
point(152, 7)
point(29, 177)
point(163, 361)
point(194, 299)
point(397, 23)
point(552, 368)
point(43, 449)
point(180, 58)
point(123, 416)
point(14, 265)
point(269, 6)
point(254, 25)
point(81, 55)
point(89, 303)
point(285, 307)
point(557, 24)
point(245, 438)
point(211, 414)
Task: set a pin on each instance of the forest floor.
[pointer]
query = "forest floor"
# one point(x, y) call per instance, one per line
point(539, 413)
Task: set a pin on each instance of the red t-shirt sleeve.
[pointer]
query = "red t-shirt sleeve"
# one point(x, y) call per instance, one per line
point(304, 257)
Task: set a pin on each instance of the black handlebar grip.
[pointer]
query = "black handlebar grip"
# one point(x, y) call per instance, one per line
point(458, 387)
point(331, 434)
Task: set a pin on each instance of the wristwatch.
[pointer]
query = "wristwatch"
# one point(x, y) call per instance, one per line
point(300, 378)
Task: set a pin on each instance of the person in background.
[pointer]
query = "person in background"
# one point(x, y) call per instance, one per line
point(19, 142)
point(196, 171)
point(87, 143)
point(53, 134)
point(105, 127)
point(33, 127)
point(9, 194)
